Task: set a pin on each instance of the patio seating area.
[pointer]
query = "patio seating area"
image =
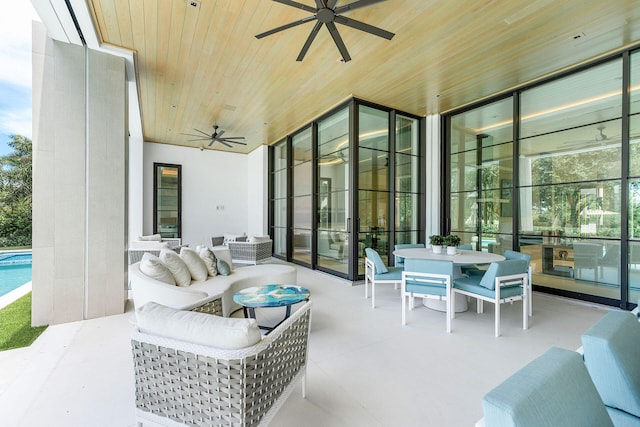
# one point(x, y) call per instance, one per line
point(81, 373)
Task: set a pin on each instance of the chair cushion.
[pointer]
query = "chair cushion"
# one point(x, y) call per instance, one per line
point(377, 261)
point(152, 266)
point(258, 239)
point(176, 266)
point(210, 261)
point(393, 273)
point(197, 328)
point(502, 268)
point(195, 264)
point(553, 390)
point(471, 284)
point(612, 355)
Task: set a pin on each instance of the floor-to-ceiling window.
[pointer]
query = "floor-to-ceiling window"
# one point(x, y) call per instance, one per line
point(301, 201)
point(375, 150)
point(333, 192)
point(563, 191)
point(279, 183)
point(633, 207)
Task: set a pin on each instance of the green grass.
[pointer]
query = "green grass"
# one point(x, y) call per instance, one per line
point(15, 325)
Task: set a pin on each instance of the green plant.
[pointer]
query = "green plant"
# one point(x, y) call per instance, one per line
point(436, 240)
point(452, 240)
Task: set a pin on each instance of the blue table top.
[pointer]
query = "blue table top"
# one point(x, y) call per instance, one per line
point(271, 296)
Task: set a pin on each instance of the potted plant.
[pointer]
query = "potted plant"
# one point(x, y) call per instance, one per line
point(452, 241)
point(436, 243)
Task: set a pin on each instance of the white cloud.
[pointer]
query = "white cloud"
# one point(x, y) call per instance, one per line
point(15, 41)
point(16, 122)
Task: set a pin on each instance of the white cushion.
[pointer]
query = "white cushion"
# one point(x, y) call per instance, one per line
point(198, 328)
point(195, 264)
point(176, 266)
point(259, 239)
point(148, 245)
point(150, 238)
point(223, 253)
point(152, 266)
point(231, 237)
point(210, 261)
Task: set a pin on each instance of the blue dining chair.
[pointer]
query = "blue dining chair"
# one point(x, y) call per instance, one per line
point(505, 281)
point(377, 273)
point(425, 278)
point(399, 261)
point(509, 254)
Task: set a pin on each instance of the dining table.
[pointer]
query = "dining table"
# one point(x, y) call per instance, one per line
point(460, 258)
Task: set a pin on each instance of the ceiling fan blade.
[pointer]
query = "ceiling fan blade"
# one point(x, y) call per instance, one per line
point(211, 143)
point(321, 4)
point(307, 44)
point(364, 27)
point(331, 3)
point(224, 143)
point(204, 133)
point(284, 27)
point(199, 139)
point(355, 5)
point(199, 136)
point(297, 5)
point(231, 141)
point(218, 134)
point(338, 41)
point(233, 137)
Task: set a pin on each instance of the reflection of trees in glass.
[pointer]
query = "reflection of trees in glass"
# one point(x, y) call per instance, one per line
point(579, 206)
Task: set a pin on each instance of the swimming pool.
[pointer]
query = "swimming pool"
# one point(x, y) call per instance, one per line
point(15, 270)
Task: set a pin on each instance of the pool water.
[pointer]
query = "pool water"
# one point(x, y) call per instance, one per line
point(15, 271)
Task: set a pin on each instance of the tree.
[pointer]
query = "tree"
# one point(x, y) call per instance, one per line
point(15, 193)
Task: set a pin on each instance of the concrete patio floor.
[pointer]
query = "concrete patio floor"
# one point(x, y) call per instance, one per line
point(365, 368)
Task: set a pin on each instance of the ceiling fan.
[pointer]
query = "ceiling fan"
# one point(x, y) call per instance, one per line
point(328, 14)
point(600, 139)
point(216, 136)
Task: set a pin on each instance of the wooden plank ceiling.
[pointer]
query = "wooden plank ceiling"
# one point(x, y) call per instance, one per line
point(199, 64)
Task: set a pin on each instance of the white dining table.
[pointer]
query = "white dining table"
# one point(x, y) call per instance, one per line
point(462, 257)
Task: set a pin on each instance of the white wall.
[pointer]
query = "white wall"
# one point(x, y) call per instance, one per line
point(214, 190)
point(258, 191)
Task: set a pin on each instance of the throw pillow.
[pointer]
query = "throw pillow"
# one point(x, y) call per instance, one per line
point(150, 238)
point(152, 266)
point(197, 328)
point(224, 254)
point(210, 261)
point(195, 264)
point(223, 267)
point(176, 266)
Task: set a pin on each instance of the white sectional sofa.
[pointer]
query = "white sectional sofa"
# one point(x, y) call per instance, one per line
point(214, 291)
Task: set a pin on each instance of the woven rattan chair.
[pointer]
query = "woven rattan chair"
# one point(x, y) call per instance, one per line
point(250, 253)
point(179, 383)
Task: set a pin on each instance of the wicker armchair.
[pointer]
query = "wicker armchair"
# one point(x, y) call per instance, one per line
point(250, 253)
point(179, 383)
point(136, 252)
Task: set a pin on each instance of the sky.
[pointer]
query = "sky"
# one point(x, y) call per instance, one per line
point(15, 70)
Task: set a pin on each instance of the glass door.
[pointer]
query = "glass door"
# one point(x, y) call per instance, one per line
point(333, 193)
point(374, 196)
point(302, 193)
point(167, 200)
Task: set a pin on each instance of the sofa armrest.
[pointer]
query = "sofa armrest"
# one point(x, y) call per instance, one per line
point(146, 289)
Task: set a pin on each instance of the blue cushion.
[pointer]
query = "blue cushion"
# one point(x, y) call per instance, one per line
point(612, 355)
point(509, 254)
point(465, 247)
point(377, 261)
point(470, 284)
point(428, 266)
point(502, 268)
point(394, 273)
point(553, 390)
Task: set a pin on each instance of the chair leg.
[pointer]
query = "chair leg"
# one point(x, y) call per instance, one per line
point(479, 306)
point(453, 305)
point(525, 311)
point(404, 307)
point(366, 286)
point(373, 294)
point(497, 318)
